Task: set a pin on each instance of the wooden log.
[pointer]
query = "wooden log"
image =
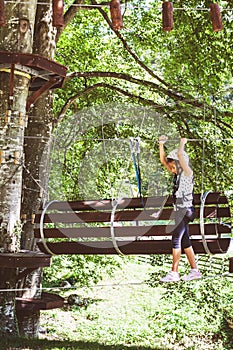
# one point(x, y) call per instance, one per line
point(47, 301)
point(116, 17)
point(219, 246)
point(216, 18)
point(124, 215)
point(167, 16)
point(128, 231)
point(131, 203)
point(26, 259)
point(137, 226)
point(58, 13)
point(106, 204)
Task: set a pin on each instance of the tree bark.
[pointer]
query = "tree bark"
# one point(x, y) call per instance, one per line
point(15, 37)
point(37, 146)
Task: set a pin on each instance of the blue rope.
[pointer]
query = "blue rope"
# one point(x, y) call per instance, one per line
point(136, 162)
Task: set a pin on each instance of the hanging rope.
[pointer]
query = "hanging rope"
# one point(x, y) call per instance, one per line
point(203, 156)
point(215, 150)
point(135, 153)
point(106, 159)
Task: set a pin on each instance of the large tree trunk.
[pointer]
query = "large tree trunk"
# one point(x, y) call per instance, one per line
point(36, 173)
point(38, 134)
point(15, 37)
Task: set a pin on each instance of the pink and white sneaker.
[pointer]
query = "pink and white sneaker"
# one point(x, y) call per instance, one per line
point(171, 277)
point(194, 274)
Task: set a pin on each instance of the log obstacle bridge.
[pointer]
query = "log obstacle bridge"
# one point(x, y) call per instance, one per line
point(130, 226)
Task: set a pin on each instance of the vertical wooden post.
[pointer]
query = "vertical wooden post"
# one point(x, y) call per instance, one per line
point(167, 16)
point(116, 17)
point(2, 14)
point(216, 18)
point(58, 13)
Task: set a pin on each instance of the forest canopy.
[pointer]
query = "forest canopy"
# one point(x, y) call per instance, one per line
point(139, 82)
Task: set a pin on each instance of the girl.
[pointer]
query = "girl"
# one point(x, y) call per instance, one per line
point(177, 162)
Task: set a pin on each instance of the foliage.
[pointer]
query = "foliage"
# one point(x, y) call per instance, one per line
point(183, 76)
point(127, 315)
point(79, 270)
point(197, 307)
point(95, 142)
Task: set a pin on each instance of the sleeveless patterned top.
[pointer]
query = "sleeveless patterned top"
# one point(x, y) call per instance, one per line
point(184, 193)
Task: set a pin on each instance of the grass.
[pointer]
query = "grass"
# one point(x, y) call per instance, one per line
point(125, 313)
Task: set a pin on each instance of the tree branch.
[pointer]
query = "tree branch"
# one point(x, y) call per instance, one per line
point(176, 96)
point(126, 46)
point(143, 101)
point(104, 85)
point(127, 77)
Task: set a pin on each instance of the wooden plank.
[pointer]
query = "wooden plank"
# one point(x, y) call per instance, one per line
point(27, 259)
point(103, 216)
point(126, 231)
point(124, 215)
point(48, 301)
point(104, 232)
point(106, 204)
point(223, 212)
point(33, 60)
point(127, 247)
point(213, 198)
point(216, 246)
point(131, 203)
point(132, 247)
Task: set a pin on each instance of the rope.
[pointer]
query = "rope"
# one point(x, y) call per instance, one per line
point(106, 157)
point(124, 140)
point(75, 287)
point(203, 155)
point(135, 148)
point(203, 166)
point(215, 150)
point(35, 180)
